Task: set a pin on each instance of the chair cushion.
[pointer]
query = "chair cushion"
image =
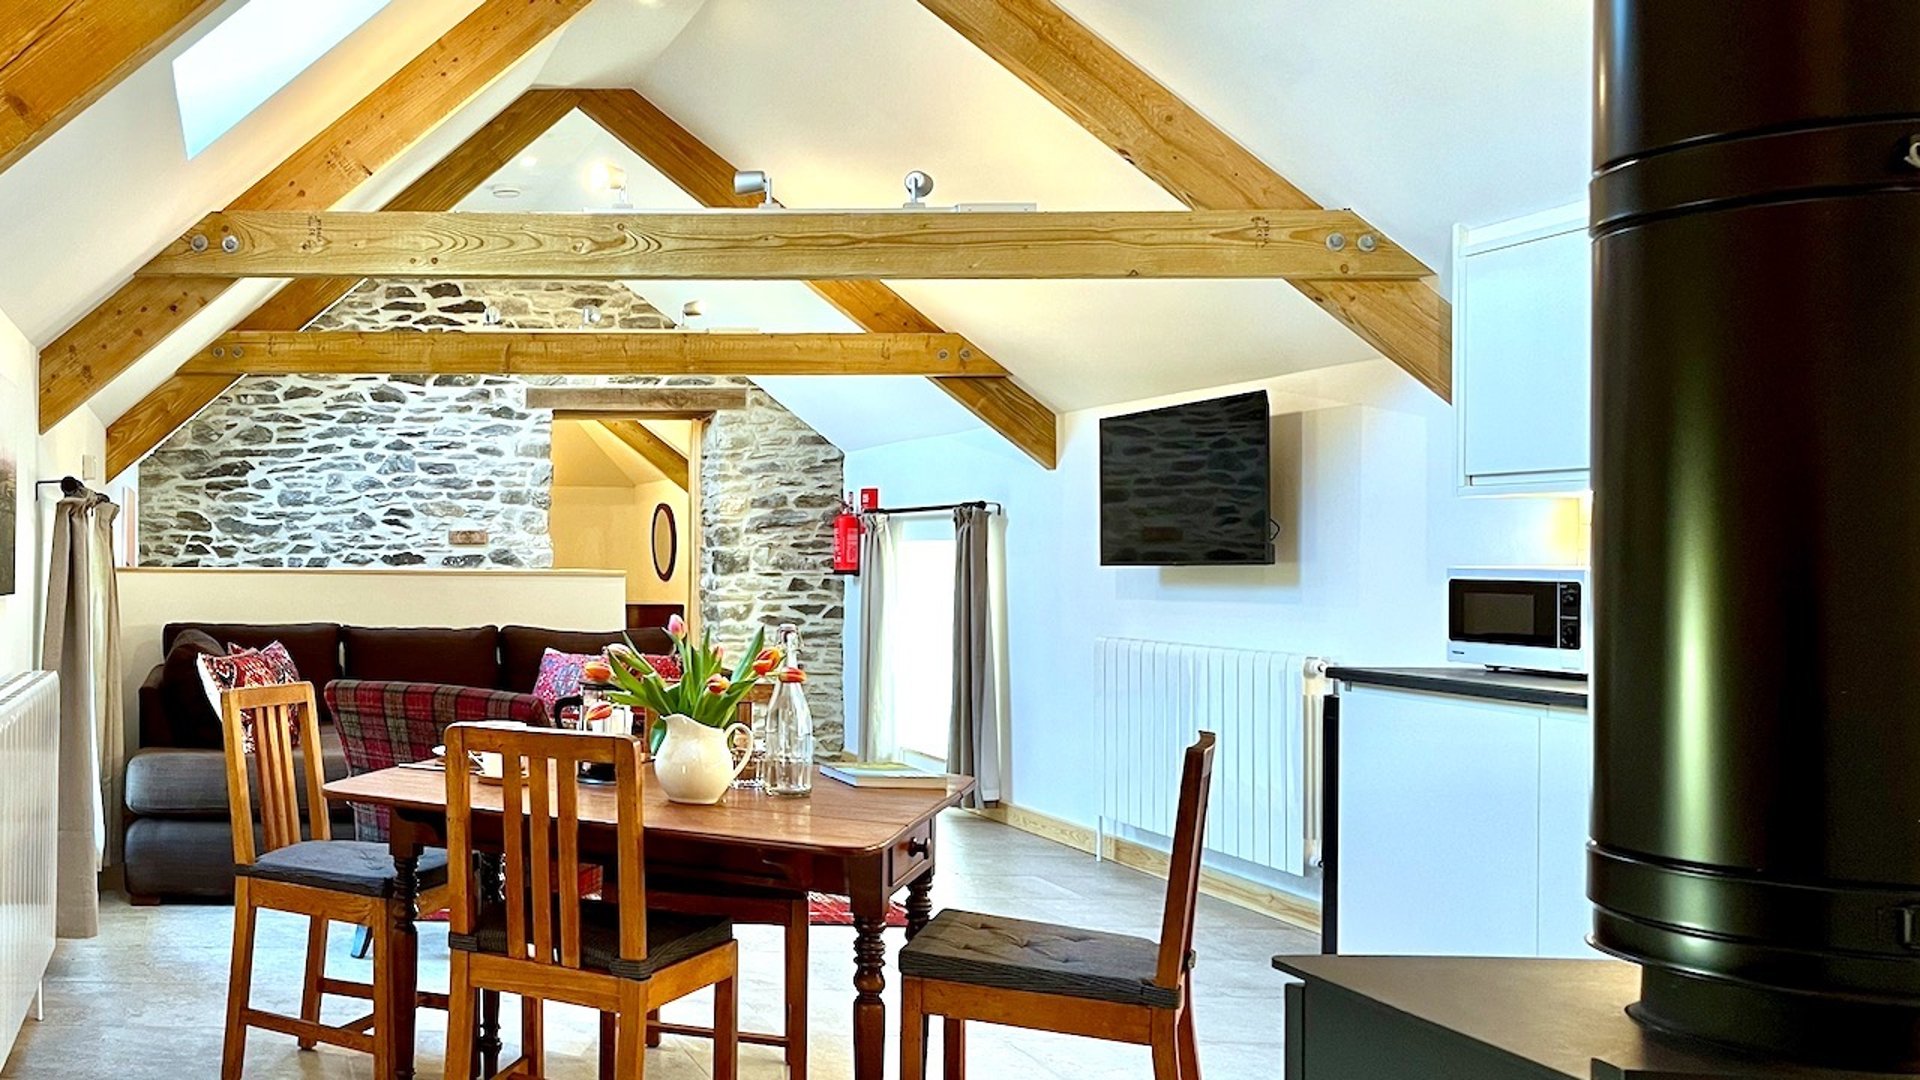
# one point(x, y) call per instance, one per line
point(671, 937)
point(1013, 954)
point(348, 866)
point(315, 647)
point(168, 782)
point(457, 657)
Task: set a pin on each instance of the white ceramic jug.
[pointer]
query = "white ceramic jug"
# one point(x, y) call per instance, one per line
point(695, 763)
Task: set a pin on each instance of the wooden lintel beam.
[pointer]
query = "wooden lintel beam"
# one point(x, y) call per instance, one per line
point(655, 450)
point(787, 245)
point(668, 352)
point(658, 402)
point(59, 56)
point(441, 187)
point(415, 100)
point(1000, 403)
point(1199, 164)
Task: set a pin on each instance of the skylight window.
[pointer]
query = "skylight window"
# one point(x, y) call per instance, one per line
point(254, 52)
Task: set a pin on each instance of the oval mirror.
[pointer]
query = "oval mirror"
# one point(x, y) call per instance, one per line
point(666, 542)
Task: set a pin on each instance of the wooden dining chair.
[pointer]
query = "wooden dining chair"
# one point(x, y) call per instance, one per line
point(748, 905)
point(325, 879)
point(995, 970)
point(541, 939)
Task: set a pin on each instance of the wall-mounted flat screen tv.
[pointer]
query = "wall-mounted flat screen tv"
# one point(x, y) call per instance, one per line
point(1188, 485)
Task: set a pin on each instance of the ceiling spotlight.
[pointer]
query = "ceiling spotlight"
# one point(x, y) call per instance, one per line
point(504, 191)
point(490, 316)
point(919, 186)
point(690, 311)
point(590, 314)
point(754, 182)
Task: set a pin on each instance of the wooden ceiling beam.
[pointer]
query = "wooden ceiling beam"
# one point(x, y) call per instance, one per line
point(1002, 404)
point(655, 450)
point(735, 245)
point(418, 98)
point(494, 352)
point(1182, 151)
point(59, 56)
point(441, 187)
point(653, 402)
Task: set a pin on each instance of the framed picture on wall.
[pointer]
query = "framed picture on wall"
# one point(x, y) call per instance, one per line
point(9, 497)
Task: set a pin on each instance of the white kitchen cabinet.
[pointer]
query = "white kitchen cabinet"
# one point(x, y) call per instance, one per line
point(1522, 346)
point(1566, 811)
point(1462, 826)
point(1439, 841)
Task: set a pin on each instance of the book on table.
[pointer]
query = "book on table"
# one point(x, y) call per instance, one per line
point(883, 774)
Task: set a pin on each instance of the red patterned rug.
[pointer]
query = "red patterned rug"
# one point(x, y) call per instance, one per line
point(824, 910)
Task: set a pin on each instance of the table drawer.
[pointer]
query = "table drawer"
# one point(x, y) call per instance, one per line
point(911, 853)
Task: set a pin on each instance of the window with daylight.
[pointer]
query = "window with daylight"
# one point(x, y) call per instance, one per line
point(920, 626)
point(251, 55)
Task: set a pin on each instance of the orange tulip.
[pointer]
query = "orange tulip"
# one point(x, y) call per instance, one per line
point(599, 712)
point(793, 675)
point(597, 671)
point(719, 653)
point(718, 685)
point(768, 659)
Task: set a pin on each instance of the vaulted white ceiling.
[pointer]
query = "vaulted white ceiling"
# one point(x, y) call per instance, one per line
point(1418, 115)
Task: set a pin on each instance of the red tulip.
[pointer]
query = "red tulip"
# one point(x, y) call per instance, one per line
point(718, 685)
point(599, 712)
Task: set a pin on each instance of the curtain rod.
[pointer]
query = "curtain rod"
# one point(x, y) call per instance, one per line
point(936, 508)
point(69, 487)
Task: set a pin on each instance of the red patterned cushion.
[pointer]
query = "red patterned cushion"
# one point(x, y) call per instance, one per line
point(666, 665)
point(383, 723)
point(559, 675)
point(270, 666)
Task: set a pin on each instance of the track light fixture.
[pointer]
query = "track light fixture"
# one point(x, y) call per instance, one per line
point(754, 182)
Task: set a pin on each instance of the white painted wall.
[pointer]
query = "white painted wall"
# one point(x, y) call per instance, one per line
point(150, 598)
point(19, 374)
point(1370, 521)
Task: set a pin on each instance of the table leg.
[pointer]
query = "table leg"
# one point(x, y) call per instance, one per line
point(404, 955)
point(869, 1012)
point(487, 1040)
point(919, 904)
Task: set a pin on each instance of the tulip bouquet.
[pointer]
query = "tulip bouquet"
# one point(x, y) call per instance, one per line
point(702, 690)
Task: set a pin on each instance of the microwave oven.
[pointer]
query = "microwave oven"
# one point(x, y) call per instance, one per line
point(1525, 618)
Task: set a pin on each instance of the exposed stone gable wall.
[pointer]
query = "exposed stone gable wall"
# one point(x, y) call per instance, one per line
point(376, 470)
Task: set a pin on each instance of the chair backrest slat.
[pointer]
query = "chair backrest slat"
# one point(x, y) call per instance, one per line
point(540, 834)
point(540, 851)
point(1183, 876)
point(274, 712)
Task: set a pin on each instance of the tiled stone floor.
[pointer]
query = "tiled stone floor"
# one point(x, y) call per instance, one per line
point(145, 999)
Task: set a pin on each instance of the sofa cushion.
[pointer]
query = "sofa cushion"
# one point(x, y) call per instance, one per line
point(521, 648)
point(172, 782)
point(190, 717)
point(463, 657)
point(1013, 954)
point(315, 647)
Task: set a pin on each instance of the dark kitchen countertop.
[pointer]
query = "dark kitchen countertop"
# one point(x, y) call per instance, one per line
point(1566, 1017)
point(1475, 682)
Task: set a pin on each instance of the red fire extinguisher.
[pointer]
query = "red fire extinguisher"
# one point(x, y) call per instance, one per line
point(846, 539)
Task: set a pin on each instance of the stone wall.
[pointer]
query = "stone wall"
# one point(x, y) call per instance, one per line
point(378, 470)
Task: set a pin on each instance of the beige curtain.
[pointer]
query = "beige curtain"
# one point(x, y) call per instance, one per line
point(973, 746)
point(82, 644)
point(879, 737)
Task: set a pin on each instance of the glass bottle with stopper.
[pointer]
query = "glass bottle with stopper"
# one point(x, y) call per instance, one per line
point(788, 768)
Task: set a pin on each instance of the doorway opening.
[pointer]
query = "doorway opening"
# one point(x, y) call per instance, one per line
point(625, 499)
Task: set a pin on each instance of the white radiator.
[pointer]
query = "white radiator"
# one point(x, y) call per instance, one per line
point(1155, 696)
point(29, 821)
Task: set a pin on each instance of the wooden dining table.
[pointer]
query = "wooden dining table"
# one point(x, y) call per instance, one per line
point(866, 844)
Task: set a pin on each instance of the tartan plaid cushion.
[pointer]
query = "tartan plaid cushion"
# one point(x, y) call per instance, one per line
point(384, 723)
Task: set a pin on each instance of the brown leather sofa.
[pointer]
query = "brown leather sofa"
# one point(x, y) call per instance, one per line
point(178, 840)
